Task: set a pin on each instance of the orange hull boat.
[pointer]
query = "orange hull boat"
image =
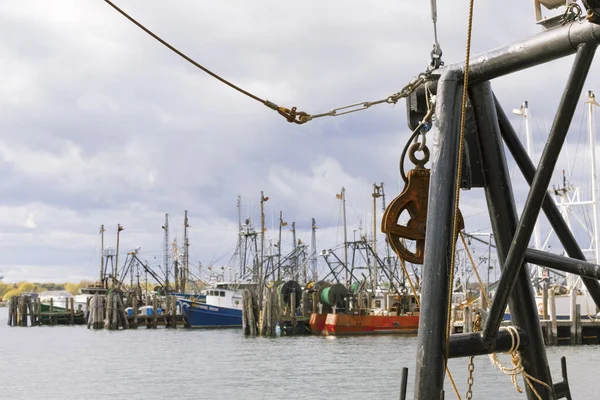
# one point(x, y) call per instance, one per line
point(343, 324)
point(317, 322)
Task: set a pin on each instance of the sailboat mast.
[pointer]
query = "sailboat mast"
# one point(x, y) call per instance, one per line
point(281, 224)
point(591, 102)
point(295, 255)
point(166, 252)
point(116, 267)
point(102, 257)
point(186, 253)
point(377, 192)
point(313, 250)
point(345, 234)
point(524, 112)
point(262, 234)
point(238, 250)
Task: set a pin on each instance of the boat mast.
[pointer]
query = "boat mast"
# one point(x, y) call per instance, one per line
point(313, 250)
point(343, 198)
point(186, 252)
point(281, 224)
point(294, 252)
point(377, 192)
point(116, 267)
point(591, 102)
point(524, 112)
point(262, 247)
point(102, 257)
point(165, 228)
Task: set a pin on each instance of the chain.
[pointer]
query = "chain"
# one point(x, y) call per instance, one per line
point(391, 99)
point(471, 368)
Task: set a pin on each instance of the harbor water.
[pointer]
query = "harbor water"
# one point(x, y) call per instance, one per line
point(76, 363)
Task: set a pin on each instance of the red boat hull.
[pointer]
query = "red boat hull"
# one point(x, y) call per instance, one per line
point(344, 324)
point(317, 322)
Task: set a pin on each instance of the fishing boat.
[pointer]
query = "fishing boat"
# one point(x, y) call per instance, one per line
point(386, 313)
point(58, 298)
point(222, 307)
point(363, 313)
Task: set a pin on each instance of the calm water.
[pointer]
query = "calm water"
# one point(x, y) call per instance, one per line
point(76, 363)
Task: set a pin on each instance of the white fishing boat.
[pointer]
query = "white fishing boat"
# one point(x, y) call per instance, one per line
point(59, 298)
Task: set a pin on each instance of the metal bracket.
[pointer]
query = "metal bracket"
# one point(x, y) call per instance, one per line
point(561, 389)
point(472, 166)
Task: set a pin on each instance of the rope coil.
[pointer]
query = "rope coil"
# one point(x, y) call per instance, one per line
point(517, 363)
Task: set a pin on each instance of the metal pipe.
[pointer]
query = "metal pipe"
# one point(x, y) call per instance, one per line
point(539, 49)
point(550, 209)
point(539, 186)
point(503, 213)
point(403, 383)
point(434, 290)
point(591, 102)
point(472, 344)
point(562, 263)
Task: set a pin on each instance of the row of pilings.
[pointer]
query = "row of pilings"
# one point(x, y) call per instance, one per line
point(275, 317)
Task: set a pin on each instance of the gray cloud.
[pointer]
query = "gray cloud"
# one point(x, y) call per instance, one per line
point(102, 125)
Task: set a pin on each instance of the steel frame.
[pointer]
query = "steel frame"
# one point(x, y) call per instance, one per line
point(512, 234)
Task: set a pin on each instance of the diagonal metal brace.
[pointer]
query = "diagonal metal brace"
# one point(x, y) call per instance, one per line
point(539, 186)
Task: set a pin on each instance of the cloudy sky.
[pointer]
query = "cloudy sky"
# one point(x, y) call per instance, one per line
point(100, 124)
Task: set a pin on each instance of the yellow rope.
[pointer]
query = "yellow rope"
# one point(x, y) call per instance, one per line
point(517, 364)
point(459, 173)
point(483, 291)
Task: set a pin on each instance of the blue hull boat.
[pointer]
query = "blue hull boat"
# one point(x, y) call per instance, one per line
point(202, 315)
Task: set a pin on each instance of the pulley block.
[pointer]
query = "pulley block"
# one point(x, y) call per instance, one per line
point(413, 200)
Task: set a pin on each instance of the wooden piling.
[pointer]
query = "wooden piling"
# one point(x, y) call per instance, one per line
point(578, 325)
point(38, 310)
point(468, 320)
point(72, 311)
point(154, 312)
point(115, 310)
point(123, 313)
point(275, 311)
point(174, 311)
point(10, 311)
point(30, 307)
point(573, 316)
point(52, 316)
point(305, 310)
point(453, 319)
point(15, 312)
point(146, 320)
point(545, 313)
point(293, 307)
point(22, 315)
point(245, 326)
point(251, 315)
point(135, 311)
point(96, 319)
point(108, 319)
point(553, 334)
point(266, 326)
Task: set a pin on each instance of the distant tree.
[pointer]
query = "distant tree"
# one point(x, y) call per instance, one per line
point(10, 293)
point(26, 287)
point(4, 287)
point(72, 287)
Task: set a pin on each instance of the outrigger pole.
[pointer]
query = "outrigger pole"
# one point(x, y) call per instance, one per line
point(484, 165)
